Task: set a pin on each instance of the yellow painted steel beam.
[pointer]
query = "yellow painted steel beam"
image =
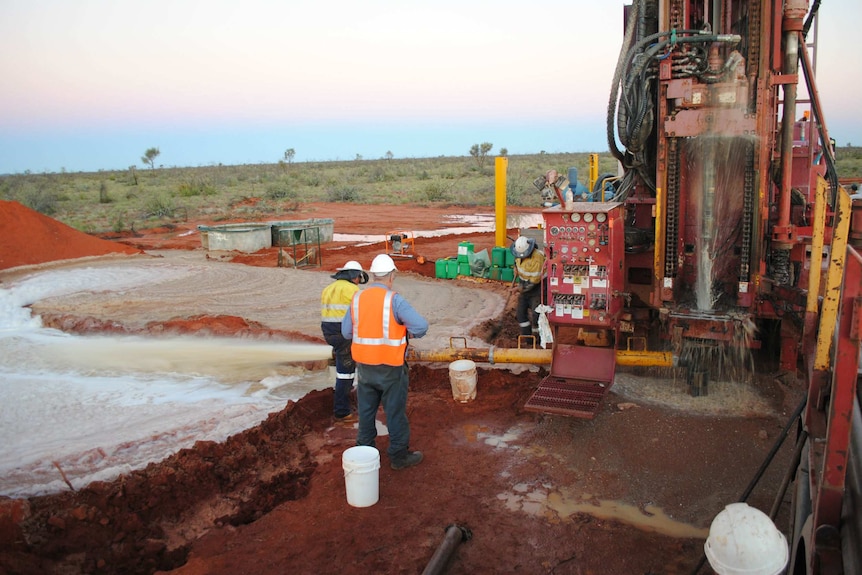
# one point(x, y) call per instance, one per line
point(501, 168)
point(817, 246)
point(834, 277)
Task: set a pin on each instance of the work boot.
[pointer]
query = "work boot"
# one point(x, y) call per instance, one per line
point(409, 459)
point(348, 419)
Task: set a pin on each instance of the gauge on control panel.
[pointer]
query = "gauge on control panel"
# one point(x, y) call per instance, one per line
point(576, 217)
point(588, 217)
point(554, 230)
point(601, 217)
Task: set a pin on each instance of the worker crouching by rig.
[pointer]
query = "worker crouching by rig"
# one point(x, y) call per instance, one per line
point(529, 270)
point(379, 323)
point(334, 305)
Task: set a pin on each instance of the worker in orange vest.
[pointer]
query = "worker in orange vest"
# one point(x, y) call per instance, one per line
point(334, 303)
point(379, 324)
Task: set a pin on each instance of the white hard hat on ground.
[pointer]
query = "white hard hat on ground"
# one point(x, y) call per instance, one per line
point(382, 265)
point(744, 540)
point(523, 246)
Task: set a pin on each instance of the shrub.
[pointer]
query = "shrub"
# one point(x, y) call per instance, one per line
point(437, 192)
point(196, 187)
point(40, 199)
point(342, 193)
point(158, 207)
point(281, 192)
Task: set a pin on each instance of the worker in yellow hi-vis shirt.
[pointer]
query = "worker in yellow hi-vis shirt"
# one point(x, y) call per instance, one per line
point(529, 272)
point(334, 304)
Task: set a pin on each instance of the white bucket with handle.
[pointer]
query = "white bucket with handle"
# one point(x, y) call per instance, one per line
point(462, 377)
point(361, 469)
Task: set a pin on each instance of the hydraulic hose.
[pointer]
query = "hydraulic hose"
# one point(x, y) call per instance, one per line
point(615, 84)
point(630, 103)
point(831, 172)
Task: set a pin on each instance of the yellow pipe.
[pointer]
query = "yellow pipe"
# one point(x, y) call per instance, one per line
point(594, 172)
point(501, 166)
point(645, 358)
point(484, 355)
point(532, 356)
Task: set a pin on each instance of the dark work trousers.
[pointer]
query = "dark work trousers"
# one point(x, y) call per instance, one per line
point(528, 319)
point(345, 367)
point(383, 385)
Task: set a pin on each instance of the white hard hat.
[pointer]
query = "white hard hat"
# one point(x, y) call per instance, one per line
point(382, 265)
point(523, 246)
point(743, 539)
point(351, 265)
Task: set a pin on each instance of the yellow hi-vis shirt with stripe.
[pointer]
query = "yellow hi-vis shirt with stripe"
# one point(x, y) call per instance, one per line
point(531, 268)
point(335, 300)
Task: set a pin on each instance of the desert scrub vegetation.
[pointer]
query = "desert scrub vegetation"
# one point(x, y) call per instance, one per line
point(121, 200)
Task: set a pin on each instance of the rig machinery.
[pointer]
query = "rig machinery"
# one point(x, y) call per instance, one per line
point(715, 236)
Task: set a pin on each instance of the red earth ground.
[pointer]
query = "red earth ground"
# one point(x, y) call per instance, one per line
point(631, 491)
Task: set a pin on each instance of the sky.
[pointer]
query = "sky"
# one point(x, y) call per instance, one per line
point(90, 85)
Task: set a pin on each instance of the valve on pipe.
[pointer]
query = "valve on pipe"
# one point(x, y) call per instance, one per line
point(455, 535)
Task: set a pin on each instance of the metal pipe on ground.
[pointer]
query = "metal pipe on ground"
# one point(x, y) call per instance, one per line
point(532, 356)
point(455, 535)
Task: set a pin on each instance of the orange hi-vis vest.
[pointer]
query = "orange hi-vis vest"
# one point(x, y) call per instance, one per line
point(378, 338)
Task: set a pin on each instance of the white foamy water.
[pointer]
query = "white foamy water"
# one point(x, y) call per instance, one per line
point(91, 408)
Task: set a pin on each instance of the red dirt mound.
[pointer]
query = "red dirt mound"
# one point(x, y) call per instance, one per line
point(29, 238)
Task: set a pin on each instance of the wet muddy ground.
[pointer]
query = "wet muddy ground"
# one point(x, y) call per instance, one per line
point(631, 491)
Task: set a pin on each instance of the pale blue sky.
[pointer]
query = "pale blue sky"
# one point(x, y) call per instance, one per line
point(91, 84)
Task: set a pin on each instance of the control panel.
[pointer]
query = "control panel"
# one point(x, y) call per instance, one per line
point(584, 249)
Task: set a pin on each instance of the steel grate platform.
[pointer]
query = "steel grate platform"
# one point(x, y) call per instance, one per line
point(570, 397)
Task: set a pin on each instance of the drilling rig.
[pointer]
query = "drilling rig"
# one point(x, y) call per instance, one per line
point(726, 231)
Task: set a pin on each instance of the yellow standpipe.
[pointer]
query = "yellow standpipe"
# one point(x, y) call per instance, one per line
point(531, 356)
point(594, 172)
point(501, 167)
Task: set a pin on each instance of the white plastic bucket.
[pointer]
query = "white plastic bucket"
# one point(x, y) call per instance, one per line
point(361, 465)
point(462, 377)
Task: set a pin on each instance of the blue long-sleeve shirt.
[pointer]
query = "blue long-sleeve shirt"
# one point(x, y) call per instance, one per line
point(417, 326)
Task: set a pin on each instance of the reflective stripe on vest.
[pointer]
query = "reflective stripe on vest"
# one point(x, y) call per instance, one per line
point(335, 300)
point(378, 338)
point(531, 269)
